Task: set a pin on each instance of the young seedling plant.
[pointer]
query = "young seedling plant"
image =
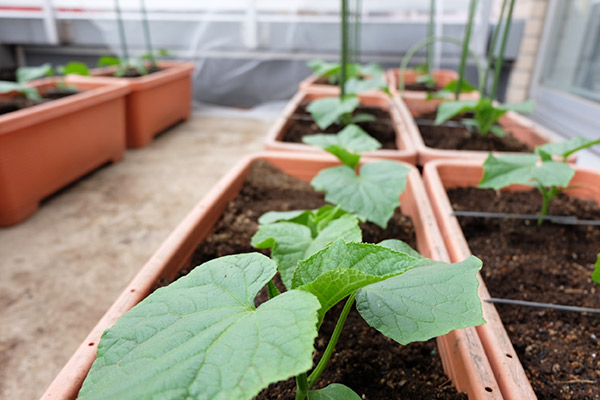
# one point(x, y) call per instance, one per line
point(539, 170)
point(25, 74)
point(30, 92)
point(486, 114)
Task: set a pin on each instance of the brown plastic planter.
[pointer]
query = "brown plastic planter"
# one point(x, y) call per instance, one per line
point(47, 146)
point(522, 128)
point(157, 101)
point(406, 151)
point(312, 84)
point(461, 350)
point(445, 174)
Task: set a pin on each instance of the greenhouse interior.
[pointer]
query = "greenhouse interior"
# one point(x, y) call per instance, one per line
point(300, 199)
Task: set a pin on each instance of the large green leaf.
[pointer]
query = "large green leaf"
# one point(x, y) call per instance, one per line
point(342, 268)
point(372, 195)
point(335, 391)
point(74, 67)
point(450, 109)
point(202, 338)
point(346, 157)
point(525, 107)
point(292, 242)
point(566, 148)
point(499, 172)
point(328, 110)
point(25, 74)
point(352, 138)
point(107, 61)
point(400, 246)
point(358, 85)
point(426, 301)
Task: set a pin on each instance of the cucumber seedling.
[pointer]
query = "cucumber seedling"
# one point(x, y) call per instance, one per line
point(25, 74)
point(539, 170)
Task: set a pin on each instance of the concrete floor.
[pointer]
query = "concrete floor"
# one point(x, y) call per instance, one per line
point(64, 266)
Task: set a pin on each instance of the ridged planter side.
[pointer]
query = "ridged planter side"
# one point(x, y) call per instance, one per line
point(406, 151)
point(461, 351)
point(47, 146)
point(521, 127)
point(445, 174)
point(157, 101)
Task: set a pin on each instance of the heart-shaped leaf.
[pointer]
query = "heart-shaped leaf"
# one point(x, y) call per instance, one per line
point(335, 391)
point(328, 110)
point(352, 138)
point(372, 195)
point(426, 301)
point(566, 148)
point(202, 338)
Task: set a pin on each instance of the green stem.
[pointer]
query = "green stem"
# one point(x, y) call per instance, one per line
point(483, 87)
point(314, 376)
point(146, 25)
point(463, 56)
point(500, 58)
point(272, 289)
point(301, 386)
point(121, 31)
point(430, 33)
point(344, 54)
point(422, 43)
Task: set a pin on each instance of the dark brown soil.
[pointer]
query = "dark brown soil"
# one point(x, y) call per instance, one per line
point(552, 264)
point(381, 129)
point(459, 138)
point(133, 73)
point(422, 87)
point(20, 102)
point(365, 360)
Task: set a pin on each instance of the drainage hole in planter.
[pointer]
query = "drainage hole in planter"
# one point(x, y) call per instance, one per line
point(132, 290)
point(509, 355)
point(488, 389)
point(90, 343)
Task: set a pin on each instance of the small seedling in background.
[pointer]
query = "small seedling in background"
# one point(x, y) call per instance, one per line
point(25, 74)
point(538, 170)
point(359, 78)
point(30, 92)
point(485, 113)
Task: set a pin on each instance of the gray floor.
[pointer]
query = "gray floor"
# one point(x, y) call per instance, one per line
point(64, 266)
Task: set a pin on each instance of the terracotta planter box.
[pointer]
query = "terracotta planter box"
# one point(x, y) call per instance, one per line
point(314, 84)
point(445, 174)
point(461, 351)
point(47, 146)
point(157, 101)
point(406, 151)
point(521, 127)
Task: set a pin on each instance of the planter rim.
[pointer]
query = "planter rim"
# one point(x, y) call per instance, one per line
point(99, 91)
point(473, 372)
point(407, 154)
point(171, 70)
point(507, 367)
point(310, 85)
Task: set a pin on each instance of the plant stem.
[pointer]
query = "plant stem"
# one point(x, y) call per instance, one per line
point(500, 58)
point(547, 196)
point(314, 376)
point(272, 289)
point(465, 49)
point(430, 33)
point(121, 31)
point(344, 53)
point(301, 386)
point(483, 87)
point(146, 25)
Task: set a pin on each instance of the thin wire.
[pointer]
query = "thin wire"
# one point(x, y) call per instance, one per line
point(543, 305)
point(557, 219)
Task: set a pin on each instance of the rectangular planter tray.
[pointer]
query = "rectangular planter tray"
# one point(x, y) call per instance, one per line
point(156, 101)
point(444, 174)
point(461, 351)
point(47, 146)
point(311, 85)
point(521, 127)
point(406, 151)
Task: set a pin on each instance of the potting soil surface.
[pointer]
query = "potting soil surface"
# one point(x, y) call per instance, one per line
point(460, 138)
point(374, 366)
point(551, 264)
point(381, 129)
